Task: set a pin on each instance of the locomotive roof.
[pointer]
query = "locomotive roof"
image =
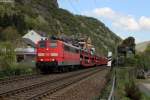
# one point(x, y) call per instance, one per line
point(68, 44)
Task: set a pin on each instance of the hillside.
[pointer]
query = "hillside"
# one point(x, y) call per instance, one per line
point(45, 15)
point(142, 46)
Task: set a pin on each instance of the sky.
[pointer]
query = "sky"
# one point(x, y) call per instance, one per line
point(124, 17)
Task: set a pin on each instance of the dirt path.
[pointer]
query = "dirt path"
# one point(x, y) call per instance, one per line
point(144, 86)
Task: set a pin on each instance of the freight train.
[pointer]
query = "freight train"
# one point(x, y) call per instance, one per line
point(57, 55)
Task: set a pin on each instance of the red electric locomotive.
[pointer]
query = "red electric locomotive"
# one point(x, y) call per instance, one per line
point(56, 55)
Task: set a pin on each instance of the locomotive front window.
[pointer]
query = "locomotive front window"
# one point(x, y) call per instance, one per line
point(53, 44)
point(42, 44)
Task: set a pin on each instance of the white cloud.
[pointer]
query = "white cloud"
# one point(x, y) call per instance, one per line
point(104, 12)
point(124, 22)
point(144, 22)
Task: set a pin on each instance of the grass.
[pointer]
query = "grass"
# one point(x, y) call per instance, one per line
point(145, 97)
point(127, 88)
point(16, 70)
point(121, 79)
point(105, 92)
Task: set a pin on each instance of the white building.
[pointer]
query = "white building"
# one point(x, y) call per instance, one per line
point(26, 54)
point(32, 37)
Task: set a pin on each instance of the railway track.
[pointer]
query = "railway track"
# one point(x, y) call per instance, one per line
point(65, 83)
point(39, 90)
point(18, 78)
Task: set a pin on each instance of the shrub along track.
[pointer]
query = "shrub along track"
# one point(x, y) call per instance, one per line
point(40, 89)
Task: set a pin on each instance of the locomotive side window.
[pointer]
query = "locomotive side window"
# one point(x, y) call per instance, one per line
point(53, 44)
point(66, 48)
point(70, 49)
point(77, 51)
point(42, 44)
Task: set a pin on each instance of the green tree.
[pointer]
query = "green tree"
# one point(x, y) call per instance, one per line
point(9, 34)
point(38, 23)
point(144, 59)
point(147, 51)
point(127, 44)
point(7, 55)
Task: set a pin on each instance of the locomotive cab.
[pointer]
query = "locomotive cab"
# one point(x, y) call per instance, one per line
point(47, 55)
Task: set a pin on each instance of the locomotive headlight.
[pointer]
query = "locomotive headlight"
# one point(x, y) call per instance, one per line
point(53, 59)
point(40, 54)
point(41, 60)
point(54, 54)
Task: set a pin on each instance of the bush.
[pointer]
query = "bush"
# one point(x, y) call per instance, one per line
point(131, 61)
point(16, 69)
point(8, 65)
point(144, 60)
point(132, 91)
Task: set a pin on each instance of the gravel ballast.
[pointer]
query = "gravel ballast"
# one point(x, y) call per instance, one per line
point(87, 89)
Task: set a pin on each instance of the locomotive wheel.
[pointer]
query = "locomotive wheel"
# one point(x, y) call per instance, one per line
point(75, 67)
point(62, 69)
point(71, 68)
point(67, 69)
point(56, 69)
